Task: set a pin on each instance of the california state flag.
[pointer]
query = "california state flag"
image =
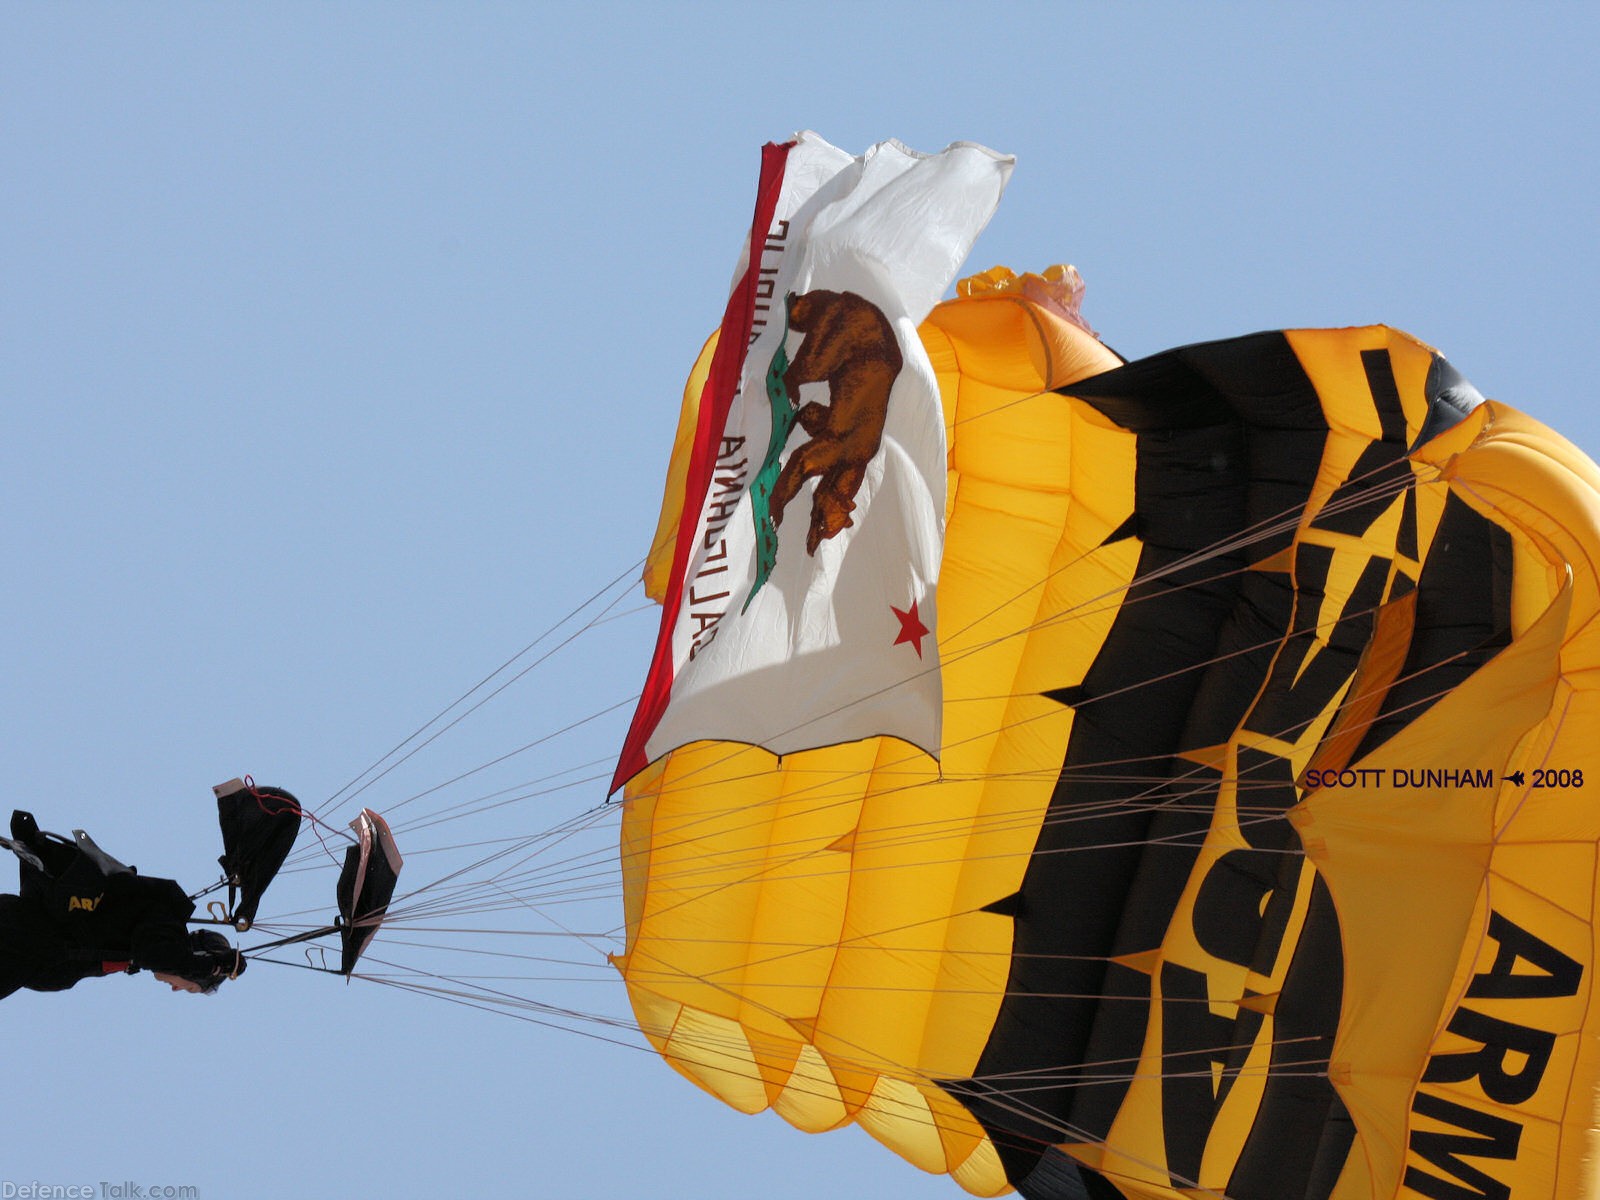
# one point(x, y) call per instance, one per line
point(800, 609)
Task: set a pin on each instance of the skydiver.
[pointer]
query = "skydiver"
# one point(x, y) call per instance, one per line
point(80, 913)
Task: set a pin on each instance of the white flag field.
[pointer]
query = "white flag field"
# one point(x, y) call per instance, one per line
point(801, 607)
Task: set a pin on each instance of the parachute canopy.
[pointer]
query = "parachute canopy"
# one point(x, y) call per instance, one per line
point(1261, 858)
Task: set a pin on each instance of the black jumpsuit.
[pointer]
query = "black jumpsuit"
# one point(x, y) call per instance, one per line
point(80, 913)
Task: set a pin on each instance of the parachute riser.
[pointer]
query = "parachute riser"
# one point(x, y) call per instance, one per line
point(309, 935)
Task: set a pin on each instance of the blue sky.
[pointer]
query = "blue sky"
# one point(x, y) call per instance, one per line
point(341, 349)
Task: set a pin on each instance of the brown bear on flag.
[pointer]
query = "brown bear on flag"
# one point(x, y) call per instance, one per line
point(849, 345)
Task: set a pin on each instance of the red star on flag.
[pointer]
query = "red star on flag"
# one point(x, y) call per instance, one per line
point(911, 627)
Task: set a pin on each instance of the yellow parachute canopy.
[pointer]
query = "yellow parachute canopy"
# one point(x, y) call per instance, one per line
point(1261, 857)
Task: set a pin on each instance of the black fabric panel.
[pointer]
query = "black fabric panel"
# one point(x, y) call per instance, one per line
point(1312, 564)
point(1338, 1135)
point(1282, 465)
point(1382, 465)
point(1006, 906)
point(1174, 834)
point(1173, 837)
point(1385, 395)
point(1263, 610)
point(1241, 906)
point(1257, 380)
point(1118, 1032)
point(1463, 617)
point(1124, 394)
point(1286, 429)
point(1450, 399)
point(1367, 494)
point(1129, 528)
point(1262, 379)
point(1296, 694)
point(1071, 696)
point(1299, 1106)
point(1266, 787)
point(1405, 540)
point(1189, 492)
point(1277, 863)
point(1353, 630)
point(1192, 1039)
point(1057, 1177)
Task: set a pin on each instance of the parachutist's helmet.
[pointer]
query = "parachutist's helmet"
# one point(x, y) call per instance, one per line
point(213, 959)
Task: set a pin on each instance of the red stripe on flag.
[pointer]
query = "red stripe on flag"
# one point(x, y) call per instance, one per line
point(722, 382)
